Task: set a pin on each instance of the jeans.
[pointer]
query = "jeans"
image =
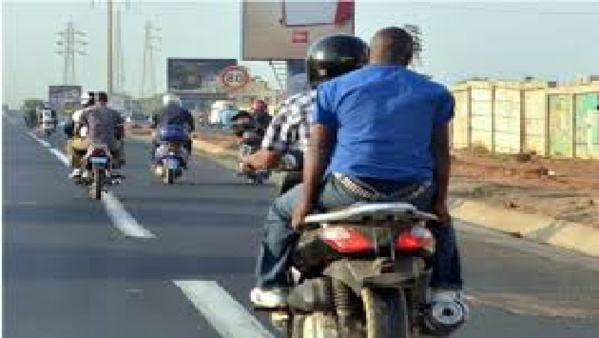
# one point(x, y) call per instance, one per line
point(279, 238)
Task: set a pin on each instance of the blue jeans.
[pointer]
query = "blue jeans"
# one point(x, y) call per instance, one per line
point(279, 238)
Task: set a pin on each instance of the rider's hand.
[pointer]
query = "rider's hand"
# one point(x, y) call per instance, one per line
point(301, 210)
point(441, 210)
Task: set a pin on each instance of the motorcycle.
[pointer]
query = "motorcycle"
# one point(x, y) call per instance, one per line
point(170, 155)
point(364, 271)
point(47, 122)
point(48, 127)
point(96, 170)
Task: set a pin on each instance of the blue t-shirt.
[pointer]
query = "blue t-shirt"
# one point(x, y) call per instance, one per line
point(383, 118)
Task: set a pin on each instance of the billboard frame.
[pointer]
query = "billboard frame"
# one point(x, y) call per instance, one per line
point(243, 42)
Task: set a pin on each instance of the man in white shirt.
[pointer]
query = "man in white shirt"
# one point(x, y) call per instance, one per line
point(77, 144)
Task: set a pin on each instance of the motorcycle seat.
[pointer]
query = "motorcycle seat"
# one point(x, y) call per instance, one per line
point(369, 212)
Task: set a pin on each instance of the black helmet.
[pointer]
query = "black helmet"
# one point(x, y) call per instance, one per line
point(334, 55)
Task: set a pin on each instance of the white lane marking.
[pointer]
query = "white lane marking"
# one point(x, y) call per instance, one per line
point(122, 219)
point(60, 156)
point(39, 140)
point(223, 312)
point(44, 143)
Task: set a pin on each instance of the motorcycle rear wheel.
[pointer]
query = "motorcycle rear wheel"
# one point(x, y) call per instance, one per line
point(386, 313)
point(97, 184)
point(169, 176)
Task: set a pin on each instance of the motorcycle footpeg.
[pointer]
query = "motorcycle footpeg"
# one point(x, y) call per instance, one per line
point(280, 320)
point(271, 310)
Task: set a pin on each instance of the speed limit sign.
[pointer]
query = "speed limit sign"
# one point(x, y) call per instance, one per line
point(234, 77)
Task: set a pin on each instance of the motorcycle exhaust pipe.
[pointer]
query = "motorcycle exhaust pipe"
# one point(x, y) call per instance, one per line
point(444, 317)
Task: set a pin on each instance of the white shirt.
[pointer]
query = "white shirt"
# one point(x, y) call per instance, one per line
point(77, 115)
point(77, 120)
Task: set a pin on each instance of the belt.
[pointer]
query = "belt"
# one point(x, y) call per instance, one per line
point(369, 193)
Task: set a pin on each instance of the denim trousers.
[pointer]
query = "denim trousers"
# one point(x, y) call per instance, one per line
point(279, 237)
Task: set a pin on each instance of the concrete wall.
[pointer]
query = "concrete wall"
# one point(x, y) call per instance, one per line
point(535, 121)
point(508, 114)
point(481, 120)
point(513, 117)
point(460, 122)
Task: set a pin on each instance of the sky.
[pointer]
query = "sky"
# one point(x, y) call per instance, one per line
point(508, 40)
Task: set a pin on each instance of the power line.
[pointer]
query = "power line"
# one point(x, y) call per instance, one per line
point(532, 11)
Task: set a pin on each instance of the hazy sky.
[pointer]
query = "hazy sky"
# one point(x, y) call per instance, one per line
point(549, 40)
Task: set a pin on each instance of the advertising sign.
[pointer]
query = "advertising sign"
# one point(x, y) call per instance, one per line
point(196, 75)
point(276, 30)
point(60, 97)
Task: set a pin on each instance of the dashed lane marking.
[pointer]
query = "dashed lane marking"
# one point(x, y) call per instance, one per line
point(120, 217)
point(224, 313)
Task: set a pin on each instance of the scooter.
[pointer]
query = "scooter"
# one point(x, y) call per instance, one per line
point(170, 155)
point(364, 271)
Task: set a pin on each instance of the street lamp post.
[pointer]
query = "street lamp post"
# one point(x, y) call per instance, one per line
point(109, 86)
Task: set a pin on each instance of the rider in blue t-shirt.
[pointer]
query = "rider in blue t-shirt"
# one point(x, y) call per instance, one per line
point(383, 129)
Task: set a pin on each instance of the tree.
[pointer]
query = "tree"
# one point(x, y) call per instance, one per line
point(31, 104)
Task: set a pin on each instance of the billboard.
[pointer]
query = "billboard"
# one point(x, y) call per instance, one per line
point(196, 75)
point(61, 97)
point(283, 29)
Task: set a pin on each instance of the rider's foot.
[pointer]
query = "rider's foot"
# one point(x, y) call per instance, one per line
point(76, 173)
point(269, 297)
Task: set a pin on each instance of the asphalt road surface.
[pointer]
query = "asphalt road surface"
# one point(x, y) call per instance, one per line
point(177, 261)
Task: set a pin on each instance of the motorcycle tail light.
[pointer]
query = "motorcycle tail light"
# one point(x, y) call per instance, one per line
point(413, 239)
point(345, 240)
point(98, 152)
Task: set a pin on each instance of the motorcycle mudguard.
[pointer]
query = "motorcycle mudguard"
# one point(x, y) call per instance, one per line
point(356, 274)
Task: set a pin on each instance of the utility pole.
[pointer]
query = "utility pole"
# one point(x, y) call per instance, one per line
point(70, 45)
point(148, 74)
point(109, 34)
point(120, 65)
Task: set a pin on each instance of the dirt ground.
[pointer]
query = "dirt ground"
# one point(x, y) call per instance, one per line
point(565, 189)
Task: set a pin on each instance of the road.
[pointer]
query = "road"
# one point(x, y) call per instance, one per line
point(177, 261)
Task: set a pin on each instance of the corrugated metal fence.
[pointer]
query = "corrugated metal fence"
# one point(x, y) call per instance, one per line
point(517, 117)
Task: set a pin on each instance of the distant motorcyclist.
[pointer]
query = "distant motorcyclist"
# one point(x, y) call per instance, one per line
point(244, 121)
point(172, 114)
point(106, 126)
point(78, 143)
point(31, 118)
point(261, 115)
point(46, 115)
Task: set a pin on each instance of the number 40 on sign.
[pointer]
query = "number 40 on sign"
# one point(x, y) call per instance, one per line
point(234, 77)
